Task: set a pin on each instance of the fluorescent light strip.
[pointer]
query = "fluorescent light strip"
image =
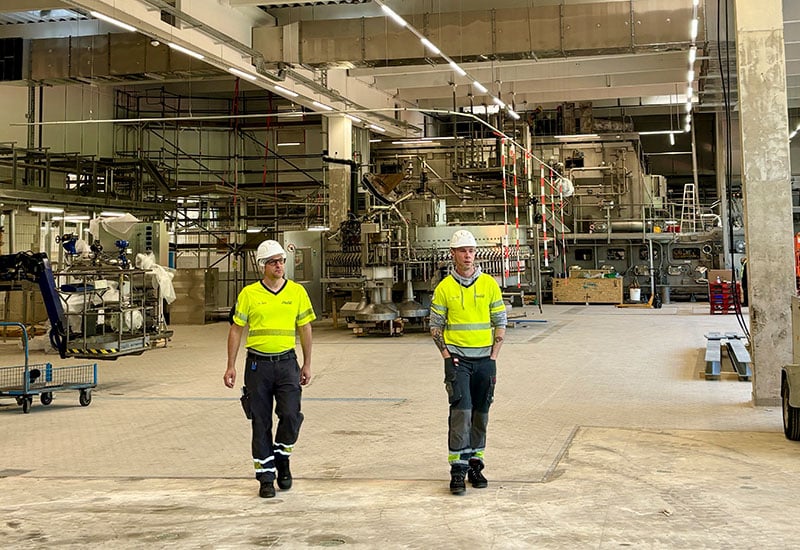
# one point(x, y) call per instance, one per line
point(432, 47)
point(113, 21)
point(237, 72)
point(499, 102)
point(658, 132)
point(289, 144)
point(46, 209)
point(377, 128)
point(354, 118)
point(428, 44)
point(110, 214)
point(693, 29)
point(689, 93)
point(692, 55)
point(397, 19)
point(690, 75)
point(374, 141)
point(512, 113)
point(322, 106)
point(574, 136)
point(187, 51)
point(458, 69)
point(412, 142)
point(282, 90)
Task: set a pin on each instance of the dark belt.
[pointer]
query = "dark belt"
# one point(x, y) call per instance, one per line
point(273, 357)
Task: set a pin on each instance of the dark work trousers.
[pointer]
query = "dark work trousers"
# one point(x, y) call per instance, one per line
point(470, 389)
point(268, 379)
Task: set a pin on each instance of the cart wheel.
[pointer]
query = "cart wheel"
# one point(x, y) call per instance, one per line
point(46, 398)
point(26, 404)
point(791, 415)
point(20, 400)
point(85, 398)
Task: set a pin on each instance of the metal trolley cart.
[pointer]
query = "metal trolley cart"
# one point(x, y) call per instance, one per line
point(23, 382)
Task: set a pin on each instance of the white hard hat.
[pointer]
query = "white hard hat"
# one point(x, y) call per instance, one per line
point(462, 237)
point(268, 249)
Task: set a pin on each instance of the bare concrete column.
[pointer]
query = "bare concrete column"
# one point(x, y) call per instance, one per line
point(340, 146)
point(761, 63)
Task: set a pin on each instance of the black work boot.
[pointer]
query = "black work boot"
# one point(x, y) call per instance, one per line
point(474, 474)
point(267, 489)
point(284, 474)
point(457, 485)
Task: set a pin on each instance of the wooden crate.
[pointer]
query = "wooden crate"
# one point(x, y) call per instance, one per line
point(587, 291)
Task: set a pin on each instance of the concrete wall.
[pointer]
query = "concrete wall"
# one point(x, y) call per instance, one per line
point(72, 103)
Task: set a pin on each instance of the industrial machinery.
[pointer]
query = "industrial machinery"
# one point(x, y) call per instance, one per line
point(391, 262)
point(95, 311)
point(612, 215)
point(540, 216)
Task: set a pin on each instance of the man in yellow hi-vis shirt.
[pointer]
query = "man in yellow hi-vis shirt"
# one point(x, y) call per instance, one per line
point(468, 325)
point(274, 308)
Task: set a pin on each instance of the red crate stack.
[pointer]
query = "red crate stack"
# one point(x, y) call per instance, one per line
point(721, 297)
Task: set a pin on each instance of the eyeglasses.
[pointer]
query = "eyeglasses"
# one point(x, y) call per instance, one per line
point(273, 262)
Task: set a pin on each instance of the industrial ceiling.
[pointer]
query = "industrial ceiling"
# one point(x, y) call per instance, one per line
point(618, 54)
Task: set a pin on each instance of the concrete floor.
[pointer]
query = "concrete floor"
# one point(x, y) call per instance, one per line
point(603, 434)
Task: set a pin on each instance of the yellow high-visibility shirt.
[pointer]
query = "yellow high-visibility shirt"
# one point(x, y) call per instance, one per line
point(468, 310)
point(273, 316)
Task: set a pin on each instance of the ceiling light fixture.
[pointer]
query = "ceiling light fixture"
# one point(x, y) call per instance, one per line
point(354, 118)
point(282, 90)
point(390, 12)
point(693, 29)
point(412, 142)
point(435, 50)
point(289, 144)
point(46, 209)
point(242, 74)
point(322, 106)
point(377, 128)
point(107, 19)
point(480, 87)
point(428, 44)
point(187, 51)
point(458, 69)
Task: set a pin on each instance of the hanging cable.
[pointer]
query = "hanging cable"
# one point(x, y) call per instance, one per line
point(725, 79)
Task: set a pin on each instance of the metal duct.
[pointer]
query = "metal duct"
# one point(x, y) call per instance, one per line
point(506, 34)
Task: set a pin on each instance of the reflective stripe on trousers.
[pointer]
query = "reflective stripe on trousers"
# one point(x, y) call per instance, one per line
point(267, 381)
point(470, 391)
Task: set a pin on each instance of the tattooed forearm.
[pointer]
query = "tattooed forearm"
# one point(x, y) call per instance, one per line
point(498, 339)
point(438, 338)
